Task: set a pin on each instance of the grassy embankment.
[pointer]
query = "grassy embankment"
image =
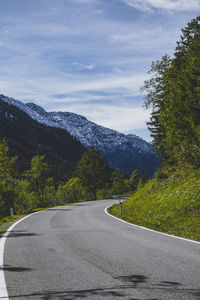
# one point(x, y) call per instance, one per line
point(169, 205)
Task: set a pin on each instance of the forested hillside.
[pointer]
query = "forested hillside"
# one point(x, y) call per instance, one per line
point(173, 93)
point(37, 188)
point(27, 138)
point(126, 152)
point(171, 201)
point(42, 166)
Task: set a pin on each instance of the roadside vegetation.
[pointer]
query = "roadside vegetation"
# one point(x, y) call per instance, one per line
point(170, 205)
point(170, 202)
point(36, 188)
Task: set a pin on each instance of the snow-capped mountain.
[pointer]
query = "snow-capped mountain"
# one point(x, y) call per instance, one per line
point(127, 152)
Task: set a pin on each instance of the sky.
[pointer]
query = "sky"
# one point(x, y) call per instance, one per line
point(89, 57)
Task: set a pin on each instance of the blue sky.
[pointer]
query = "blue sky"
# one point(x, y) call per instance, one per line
point(88, 56)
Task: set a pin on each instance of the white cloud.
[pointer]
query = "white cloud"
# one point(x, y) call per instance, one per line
point(53, 86)
point(87, 54)
point(176, 5)
point(144, 39)
point(120, 118)
point(84, 1)
point(98, 11)
point(90, 67)
point(85, 66)
point(130, 81)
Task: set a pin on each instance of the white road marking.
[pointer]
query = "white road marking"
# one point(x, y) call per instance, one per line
point(141, 227)
point(3, 288)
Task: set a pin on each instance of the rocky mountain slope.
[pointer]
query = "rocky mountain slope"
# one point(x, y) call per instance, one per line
point(26, 138)
point(126, 152)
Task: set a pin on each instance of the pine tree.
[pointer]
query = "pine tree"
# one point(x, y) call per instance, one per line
point(93, 172)
point(173, 93)
point(71, 191)
point(40, 183)
point(7, 180)
point(132, 182)
point(118, 182)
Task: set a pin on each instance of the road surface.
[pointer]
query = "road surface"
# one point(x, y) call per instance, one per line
point(80, 252)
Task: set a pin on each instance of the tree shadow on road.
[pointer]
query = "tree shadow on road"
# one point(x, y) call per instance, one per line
point(22, 233)
point(80, 204)
point(58, 209)
point(8, 268)
point(130, 285)
point(133, 279)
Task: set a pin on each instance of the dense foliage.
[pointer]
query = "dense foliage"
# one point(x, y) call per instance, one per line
point(173, 93)
point(36, 188)
point(93, 172)
point(27, 138)
point(7, 186)
point(171, 201)
point(170, 205)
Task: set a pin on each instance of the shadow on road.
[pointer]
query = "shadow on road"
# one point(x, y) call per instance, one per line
point(22, 233)
point(124, 290)
point(58, 209)
point(133, 279)
point(8, 268)
point(80, 204)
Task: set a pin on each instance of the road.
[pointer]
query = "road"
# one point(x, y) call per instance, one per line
point(80, 252)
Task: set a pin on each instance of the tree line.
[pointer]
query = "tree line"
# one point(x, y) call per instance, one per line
point(35, 188)
point(173, 94)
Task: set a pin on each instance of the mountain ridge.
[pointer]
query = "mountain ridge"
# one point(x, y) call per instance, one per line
point(27, 137)
point(127, 152)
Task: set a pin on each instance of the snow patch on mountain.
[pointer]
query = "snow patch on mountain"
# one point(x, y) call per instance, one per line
point(126, 152)
point(88, 133)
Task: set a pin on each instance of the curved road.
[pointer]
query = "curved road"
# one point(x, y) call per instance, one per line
point(79, 252)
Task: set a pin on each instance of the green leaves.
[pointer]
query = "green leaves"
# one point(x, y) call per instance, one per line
point(93, 172)
point(7, 180)
point(170, 204)
point(40, 184)
point(71, 191)
point(7, 164)
point(119, 186)
point(173, 93)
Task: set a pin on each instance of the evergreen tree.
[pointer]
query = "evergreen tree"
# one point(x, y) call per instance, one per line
point(118, 182)
point(93, 172)
point(7, 163)
point(140, 184)
point(173, 93)
point(40, 183)
point(7, 180)
point(71, 191)
point(132, 182)
point(25, 199)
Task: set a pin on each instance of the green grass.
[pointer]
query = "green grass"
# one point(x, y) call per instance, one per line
point(169, 205)
point(8, 219)
point(5, 223)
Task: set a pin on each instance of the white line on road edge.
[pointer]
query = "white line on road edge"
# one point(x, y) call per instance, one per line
point(145, 228)
point(3, 289)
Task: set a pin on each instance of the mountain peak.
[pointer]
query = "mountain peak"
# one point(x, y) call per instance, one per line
point(126, 152)
point(37, 109)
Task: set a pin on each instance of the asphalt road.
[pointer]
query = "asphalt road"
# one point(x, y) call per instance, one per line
point(79, 252)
